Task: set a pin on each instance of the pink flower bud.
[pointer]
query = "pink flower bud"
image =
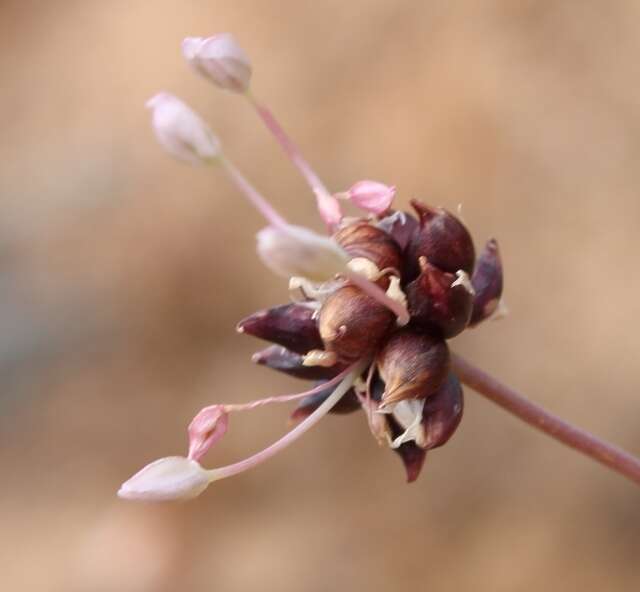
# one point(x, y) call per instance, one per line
point(181, 131)
point(371, 196)
point(166, 479)
point(205, 429)
point(219, 59)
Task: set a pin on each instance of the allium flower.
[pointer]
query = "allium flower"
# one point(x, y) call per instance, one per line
point(375, 301)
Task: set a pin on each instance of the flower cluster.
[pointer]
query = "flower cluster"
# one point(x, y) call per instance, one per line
point(373, 303)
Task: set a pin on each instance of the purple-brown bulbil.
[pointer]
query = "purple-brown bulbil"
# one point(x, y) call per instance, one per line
point(352, 323)
point(412, 364)
point(400, 226)
point(348, 404)
point(487, 283)
point(289, 325)
point(440, 301)
point(361, 239)
point(442, 412)
point(442, 239)
point(283, 360)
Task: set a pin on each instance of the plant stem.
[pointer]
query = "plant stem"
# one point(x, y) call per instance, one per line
point(603, 452)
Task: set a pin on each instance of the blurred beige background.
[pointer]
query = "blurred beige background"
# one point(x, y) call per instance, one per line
point(123, 273)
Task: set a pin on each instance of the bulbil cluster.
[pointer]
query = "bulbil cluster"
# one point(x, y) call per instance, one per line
point(431, 260)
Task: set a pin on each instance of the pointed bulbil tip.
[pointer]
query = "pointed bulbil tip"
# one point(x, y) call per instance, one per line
point(487, 281)
point(424, 211)
point(219, 59)
point(290, 325)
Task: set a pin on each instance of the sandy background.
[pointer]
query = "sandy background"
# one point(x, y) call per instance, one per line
point(123, 273)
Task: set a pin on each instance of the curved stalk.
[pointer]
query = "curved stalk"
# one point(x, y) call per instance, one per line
point(603, 452)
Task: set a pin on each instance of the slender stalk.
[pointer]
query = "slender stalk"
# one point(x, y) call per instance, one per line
point(603, 452)
point(295, 433)
point(328, 205)
point(253, 195)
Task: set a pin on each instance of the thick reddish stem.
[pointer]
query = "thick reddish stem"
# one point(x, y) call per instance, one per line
point(613, 457)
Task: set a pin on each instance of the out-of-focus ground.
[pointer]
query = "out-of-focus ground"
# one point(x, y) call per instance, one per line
point(123, 273)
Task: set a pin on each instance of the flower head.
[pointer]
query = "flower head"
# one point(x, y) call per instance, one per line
point(374, 304)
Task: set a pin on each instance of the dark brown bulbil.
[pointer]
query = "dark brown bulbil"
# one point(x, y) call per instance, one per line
point(352, 323)
point(437, 306)
point(289, 325)
point(409, 362)
point(442, 239)
point(442, 412)
point(487, 282)
point(361, 239)
point(412, 365)
point(283, 360)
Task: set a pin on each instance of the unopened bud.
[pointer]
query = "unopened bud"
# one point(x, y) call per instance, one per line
point(412, 365)
point(166, 479)
point(351, 323)
point(442, 413)
point(296, 251)
point(442, 239)
point(181, 131)
point(283, 360)
point(362, 240)
point(348, 404)
point(206, 429)
point(371, 196)
point(487, 282)
point(440, 300)
point(290, 325)
point(219, 59)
